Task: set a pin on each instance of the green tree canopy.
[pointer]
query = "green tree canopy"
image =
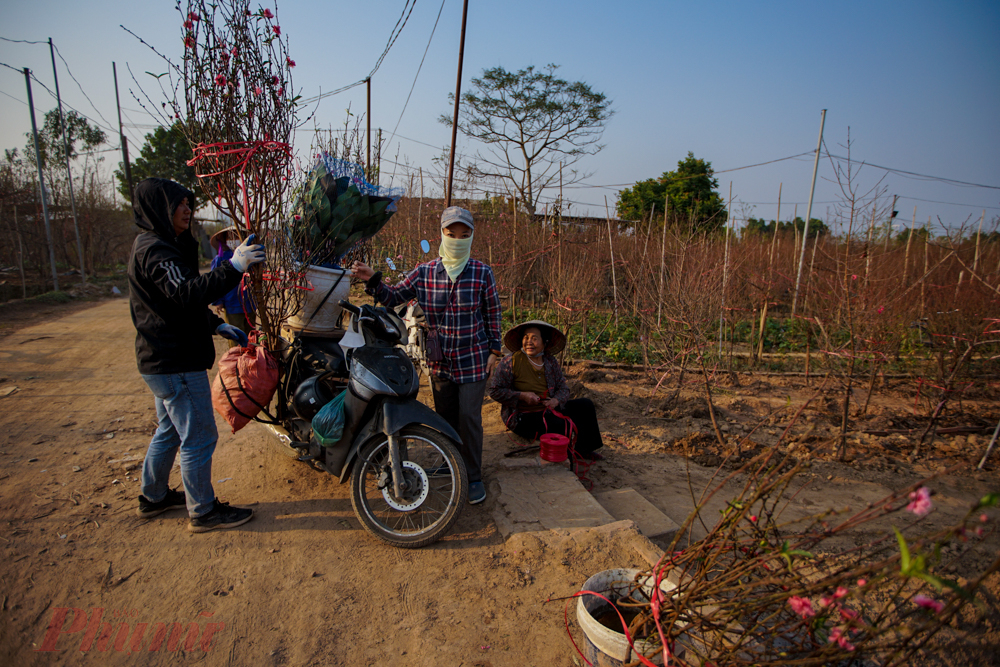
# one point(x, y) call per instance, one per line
point(758, 226)
point(920, 233)
point(694, 202)
point(530, 122)
point(80, 135)
point(164, 155)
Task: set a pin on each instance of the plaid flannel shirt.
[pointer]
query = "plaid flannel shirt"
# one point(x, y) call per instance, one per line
point(466, 314)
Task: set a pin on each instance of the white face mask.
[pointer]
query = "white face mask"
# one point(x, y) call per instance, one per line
point(455, 255)
point(233, 244)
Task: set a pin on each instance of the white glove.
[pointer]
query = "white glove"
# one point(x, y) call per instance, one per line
point(247, 254)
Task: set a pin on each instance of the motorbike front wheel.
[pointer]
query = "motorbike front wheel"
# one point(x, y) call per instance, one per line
point(437, 488)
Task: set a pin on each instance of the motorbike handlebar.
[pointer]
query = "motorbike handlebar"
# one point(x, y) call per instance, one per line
point(349, 307)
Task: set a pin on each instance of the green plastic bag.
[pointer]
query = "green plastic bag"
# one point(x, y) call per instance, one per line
point(328, 424)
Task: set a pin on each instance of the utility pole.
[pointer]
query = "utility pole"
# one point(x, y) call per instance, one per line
point(121, 135)
point(368, 127)
point(69, 173)
point(458, 99)
point(809, 207)
point(888, 226)
point(41, 183)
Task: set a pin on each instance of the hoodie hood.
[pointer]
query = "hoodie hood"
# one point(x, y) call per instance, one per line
point(154, 204)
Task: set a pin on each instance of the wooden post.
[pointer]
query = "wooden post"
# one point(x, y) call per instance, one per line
point(805, 229)
point(725, 268)
point(614, 280)
point(888, 224)
point(558, 228)
point(868, 245)
point(909, 242)
point(774, 237)
point(663, 258)
point(975, 262)
point(923, 279)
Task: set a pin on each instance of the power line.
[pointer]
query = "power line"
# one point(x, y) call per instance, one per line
point(54, 96)
point(20, 41)
point(70, 72)
point(414, 85)
point(393, 36)
point(903, 172)
point(16, 99)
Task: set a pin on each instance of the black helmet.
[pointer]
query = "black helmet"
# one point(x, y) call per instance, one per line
point(310, 396)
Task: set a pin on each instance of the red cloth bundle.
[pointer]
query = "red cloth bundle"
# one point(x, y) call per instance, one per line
point(247, 379)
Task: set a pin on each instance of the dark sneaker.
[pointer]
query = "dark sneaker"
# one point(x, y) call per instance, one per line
point(174, 500)
point(221, 516)
point(477, 493)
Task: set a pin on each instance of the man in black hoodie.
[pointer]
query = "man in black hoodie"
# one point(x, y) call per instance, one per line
point(169, 302)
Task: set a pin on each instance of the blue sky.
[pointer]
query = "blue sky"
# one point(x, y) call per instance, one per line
point(737, 83)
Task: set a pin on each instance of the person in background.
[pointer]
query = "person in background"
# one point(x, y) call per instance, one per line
point(460, 300)
point(168, 300)
point(237, 305)
point(531, 388)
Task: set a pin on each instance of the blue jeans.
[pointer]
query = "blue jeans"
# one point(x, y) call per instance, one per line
point(186, 422)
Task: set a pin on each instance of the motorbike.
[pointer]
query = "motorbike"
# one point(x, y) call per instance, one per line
point(408, 482)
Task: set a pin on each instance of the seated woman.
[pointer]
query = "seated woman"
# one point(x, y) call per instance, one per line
point(529, 385)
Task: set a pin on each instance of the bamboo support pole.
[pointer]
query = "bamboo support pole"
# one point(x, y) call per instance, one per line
point(614, 280)
point(909, 242)
point(979, 232)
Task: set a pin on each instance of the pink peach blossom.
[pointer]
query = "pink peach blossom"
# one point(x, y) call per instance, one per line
point(189, 24)
point(220, 80)
point(920, 502)
point(276, 29)
point(193, 17)
point(839, 636)
point(268, 14)
point(928, 603)
point(189, 42)
point(862, 582)
point(801, 606)
point(257, 91)
point(291, 63)
point(840, 592)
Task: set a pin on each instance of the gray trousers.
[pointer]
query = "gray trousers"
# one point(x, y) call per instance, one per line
point(461, 405)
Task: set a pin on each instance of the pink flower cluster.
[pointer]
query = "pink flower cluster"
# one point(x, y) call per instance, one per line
point(802, 606)
point(839, 636)
point(920, 502)
point(928, 603)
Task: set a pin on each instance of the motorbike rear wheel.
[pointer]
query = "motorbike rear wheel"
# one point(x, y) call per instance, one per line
point(437, 490)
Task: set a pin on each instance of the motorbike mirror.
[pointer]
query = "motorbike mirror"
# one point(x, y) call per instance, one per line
point(425, 246)
point(389, 262)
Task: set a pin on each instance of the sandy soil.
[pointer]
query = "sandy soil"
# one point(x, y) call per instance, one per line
point(303, 583)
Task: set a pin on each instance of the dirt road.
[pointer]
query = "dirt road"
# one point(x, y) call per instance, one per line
point(302, 583)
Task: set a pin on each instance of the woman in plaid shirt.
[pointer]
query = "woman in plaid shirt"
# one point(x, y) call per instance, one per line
point(459, 298)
